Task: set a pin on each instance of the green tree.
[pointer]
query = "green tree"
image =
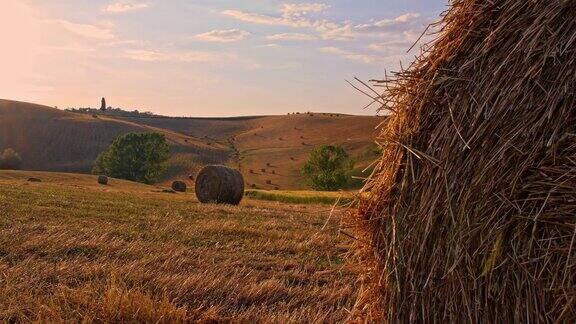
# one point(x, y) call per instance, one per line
point(327, 168)
point(135, 156)
point(10, 160)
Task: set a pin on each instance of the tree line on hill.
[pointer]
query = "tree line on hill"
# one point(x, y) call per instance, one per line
point(110, 111)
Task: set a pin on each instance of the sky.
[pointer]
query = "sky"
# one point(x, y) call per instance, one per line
point(206, 57)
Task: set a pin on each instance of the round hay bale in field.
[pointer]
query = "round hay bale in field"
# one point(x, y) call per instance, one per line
point(179, 186)
point(103, 180)
point(219, 184)
point(471, 214)
point(34, 180)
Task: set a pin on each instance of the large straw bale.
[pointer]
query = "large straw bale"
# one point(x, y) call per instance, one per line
point(471, 214)
point(219, 184)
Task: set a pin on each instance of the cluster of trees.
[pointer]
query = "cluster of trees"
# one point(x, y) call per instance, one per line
point(328, 168)
point(10, 160)
point(137, 157)
point(111, 112)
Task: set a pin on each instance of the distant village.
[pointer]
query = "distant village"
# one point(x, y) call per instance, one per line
point(110, 111)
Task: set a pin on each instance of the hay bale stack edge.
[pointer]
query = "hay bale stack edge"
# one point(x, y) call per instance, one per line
point(219, 184)
point(471, 214)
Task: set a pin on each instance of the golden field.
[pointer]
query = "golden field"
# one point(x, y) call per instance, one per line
point(73, 250)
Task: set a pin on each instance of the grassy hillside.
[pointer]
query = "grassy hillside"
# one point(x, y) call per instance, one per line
point(53, 140)
point(278, 144)
point(72, 250)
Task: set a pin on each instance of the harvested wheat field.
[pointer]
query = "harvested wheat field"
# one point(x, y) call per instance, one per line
point(472, 211)
point(74, 250)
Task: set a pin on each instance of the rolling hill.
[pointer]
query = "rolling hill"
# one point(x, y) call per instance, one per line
point(49, 139)
point(269, 150)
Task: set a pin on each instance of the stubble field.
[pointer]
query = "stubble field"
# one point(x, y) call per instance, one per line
point(71, 250)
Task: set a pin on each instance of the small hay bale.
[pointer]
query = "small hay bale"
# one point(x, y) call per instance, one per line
point(103, 180)
point(219, 184)
point(179, 186)
point(34, 180)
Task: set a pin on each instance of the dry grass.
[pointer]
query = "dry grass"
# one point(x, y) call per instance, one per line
point(303, 197)
point(472, 216)
point(71, 250)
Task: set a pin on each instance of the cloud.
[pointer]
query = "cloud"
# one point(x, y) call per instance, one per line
point(349, 55)
point(298, 16)
point(294, 18)
point(291, 15)
point(187, 57)
point(84, 30)
point(122, 7)
point(398, 24)
point(271, 45)
point(223, 36)
point(300, 9)
point(255, 18)
point(292, 37)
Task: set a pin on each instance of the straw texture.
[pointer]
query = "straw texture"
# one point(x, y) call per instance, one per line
point(470, 215)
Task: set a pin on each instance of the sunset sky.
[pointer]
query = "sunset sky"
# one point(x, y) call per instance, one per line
point(205, 57)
